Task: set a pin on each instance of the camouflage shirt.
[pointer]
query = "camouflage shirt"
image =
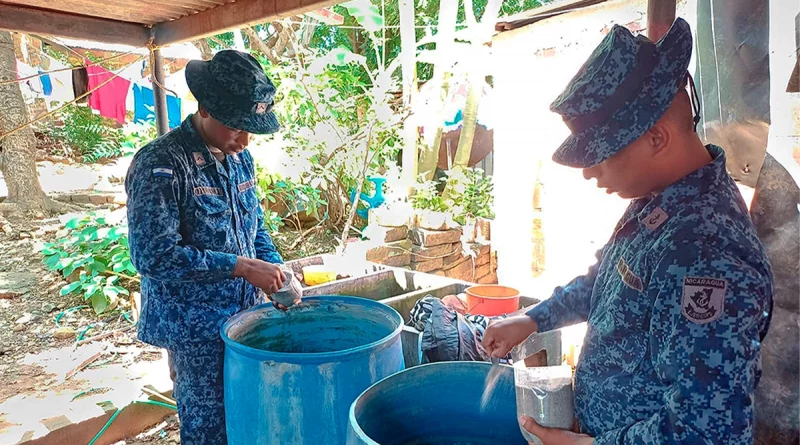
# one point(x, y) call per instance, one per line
point(677, 306)
point(189, 217)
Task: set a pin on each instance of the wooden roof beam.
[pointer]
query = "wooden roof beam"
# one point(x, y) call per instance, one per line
point(39, 21)
point(230, 16)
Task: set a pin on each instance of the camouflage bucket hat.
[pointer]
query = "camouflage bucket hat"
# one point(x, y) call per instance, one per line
point(234, 90)
point(620, 92)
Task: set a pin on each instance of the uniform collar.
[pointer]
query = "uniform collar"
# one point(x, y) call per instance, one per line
point(669, 202)
point(195, 146)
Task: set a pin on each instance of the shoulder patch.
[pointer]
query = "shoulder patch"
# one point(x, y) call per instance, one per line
point(164, 172)
point(628, 277)
point(655, 219)
point(703, 299)
point(213, 191)
point(199, 160)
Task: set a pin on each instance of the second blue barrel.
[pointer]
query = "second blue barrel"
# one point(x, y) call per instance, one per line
point(445, 403)
point(290, 377)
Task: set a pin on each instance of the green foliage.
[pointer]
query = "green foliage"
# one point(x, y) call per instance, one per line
point(137, 135)
point(93, 255)
point(426, 17)
point(337, 126)
point(295, 198)
point(426, 197)
point(471, 195)
point(89, 135)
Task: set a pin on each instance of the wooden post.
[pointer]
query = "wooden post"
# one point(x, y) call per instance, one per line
point(660, 15)
point(159, 95)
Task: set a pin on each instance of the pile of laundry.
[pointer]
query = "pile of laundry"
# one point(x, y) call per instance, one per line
point(448, 332)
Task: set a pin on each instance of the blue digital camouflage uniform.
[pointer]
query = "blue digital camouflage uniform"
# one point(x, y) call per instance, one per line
point(189, 217)
point(676, 307)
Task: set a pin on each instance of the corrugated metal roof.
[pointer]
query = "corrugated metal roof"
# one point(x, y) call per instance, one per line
point(145, 12)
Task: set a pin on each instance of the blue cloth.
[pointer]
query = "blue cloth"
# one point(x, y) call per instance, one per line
point(676, 305)
point(47, 85)
point(196, 372)
point(144, 106)
point(189, 217)
point(620, 92)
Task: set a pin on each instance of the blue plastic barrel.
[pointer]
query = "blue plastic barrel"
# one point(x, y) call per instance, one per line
point(444, 403)
point(290, 377)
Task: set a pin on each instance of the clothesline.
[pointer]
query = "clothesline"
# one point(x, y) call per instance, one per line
point(72, 68)
point(87, 93)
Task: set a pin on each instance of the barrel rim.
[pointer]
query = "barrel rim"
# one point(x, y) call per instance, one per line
point(313, 357)
point(351, 417)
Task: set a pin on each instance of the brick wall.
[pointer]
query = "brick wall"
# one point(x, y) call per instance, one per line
point(445, 251)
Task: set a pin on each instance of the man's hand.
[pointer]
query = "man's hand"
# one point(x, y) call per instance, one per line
point(553, 436)
point(266, 276)
point(502, 335)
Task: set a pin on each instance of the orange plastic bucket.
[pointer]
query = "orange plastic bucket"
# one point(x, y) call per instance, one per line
point(492, 300)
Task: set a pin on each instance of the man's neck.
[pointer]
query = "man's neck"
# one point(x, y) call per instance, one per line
point(693, 157)
point(198, 126)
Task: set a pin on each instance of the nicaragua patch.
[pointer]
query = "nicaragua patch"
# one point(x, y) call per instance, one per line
point(164, 172)
point(628, 277)
point(703, 299)
point(213, 191)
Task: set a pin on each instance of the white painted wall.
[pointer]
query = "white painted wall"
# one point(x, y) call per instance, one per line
point(578, 218)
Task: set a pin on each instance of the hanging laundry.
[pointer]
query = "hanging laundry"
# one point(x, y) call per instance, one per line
point(144, 106)
point(31, 88)
point(62, 86)
point(109, 99)
point(47, 87)
point(80, 84)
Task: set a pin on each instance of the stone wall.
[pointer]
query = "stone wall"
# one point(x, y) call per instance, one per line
point(450, 250)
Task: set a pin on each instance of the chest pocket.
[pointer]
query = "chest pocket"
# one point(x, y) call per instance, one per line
point(622, 315)
point(248, 201)
point(211, 220)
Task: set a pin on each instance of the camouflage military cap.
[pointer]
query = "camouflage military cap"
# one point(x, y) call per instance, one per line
point(624, 87)
point(234, 90)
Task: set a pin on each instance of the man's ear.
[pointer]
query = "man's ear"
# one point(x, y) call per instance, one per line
point(203, 113)
point(659, 137)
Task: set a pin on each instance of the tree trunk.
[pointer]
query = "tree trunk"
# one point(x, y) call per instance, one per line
point(482, 33)
point(205, 49)
point(408, 42)
point(470, 122)
point(17, 150)
point(445, 39)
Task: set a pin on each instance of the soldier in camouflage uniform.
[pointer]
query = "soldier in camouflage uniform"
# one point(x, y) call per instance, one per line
point(197, 233)
point(681, 295)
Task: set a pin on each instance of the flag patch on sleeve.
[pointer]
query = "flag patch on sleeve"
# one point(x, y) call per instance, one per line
point(163, 172)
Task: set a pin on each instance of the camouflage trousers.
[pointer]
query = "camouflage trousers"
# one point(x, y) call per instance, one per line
point(196, 370)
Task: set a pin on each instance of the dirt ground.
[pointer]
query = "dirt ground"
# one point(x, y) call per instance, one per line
point(30, 304)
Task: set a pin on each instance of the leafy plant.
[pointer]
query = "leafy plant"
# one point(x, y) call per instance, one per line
point(295, 198)
point(94, 256)
point(426, 197)
point(338, 128)
point(471, 196)
point(89, 135)
point(136, 136)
